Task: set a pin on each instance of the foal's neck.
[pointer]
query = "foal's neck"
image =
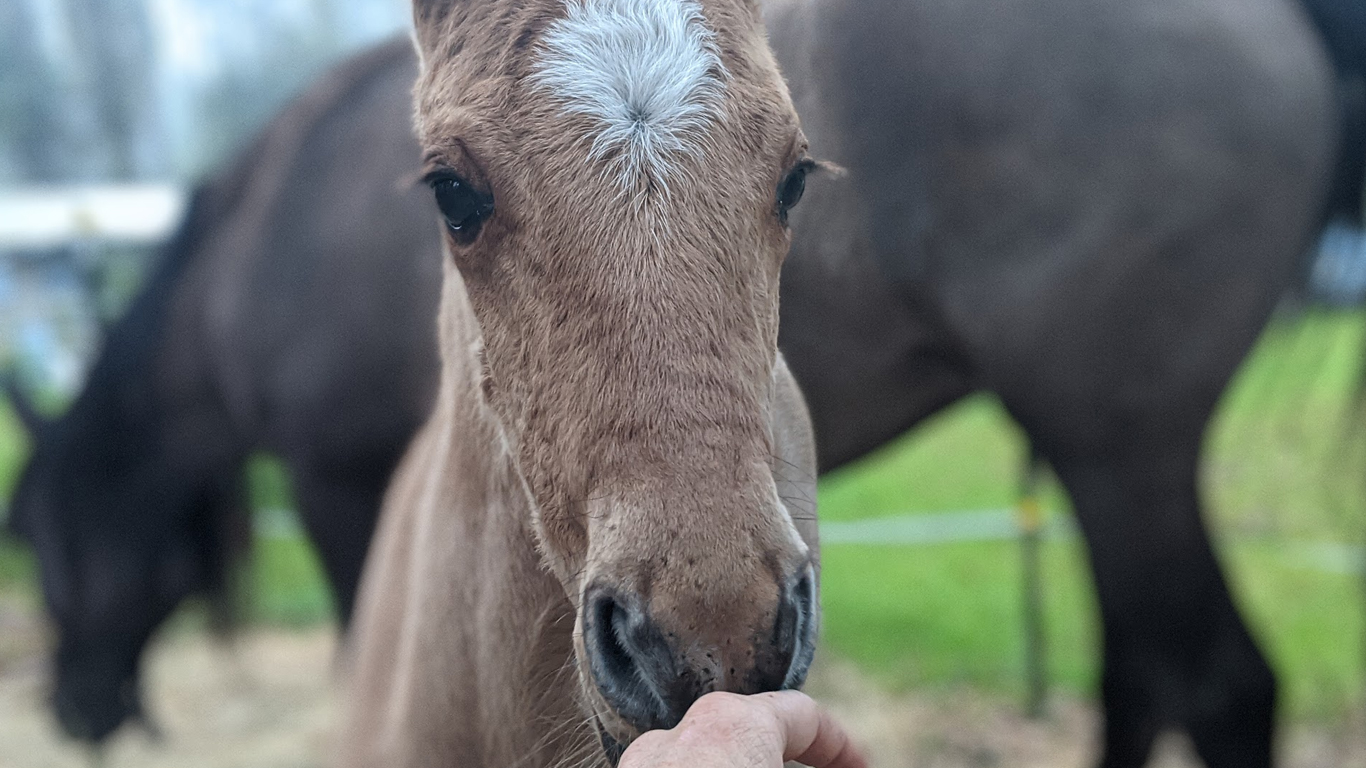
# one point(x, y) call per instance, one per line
point(517, 633)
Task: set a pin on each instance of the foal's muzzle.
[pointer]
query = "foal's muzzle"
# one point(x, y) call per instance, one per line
point(646, 674)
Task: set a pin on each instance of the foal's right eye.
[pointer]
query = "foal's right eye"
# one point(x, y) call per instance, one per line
point(464, 207)
point(791, 188)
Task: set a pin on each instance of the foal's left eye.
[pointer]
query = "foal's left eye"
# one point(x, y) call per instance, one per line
point(464, 207)
point(791, 188)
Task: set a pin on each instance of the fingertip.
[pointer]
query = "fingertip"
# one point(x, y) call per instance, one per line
point(811, 735)
point(850, 755)
point(832, 746)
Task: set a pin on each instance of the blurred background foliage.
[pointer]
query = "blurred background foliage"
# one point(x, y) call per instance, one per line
point(123, 90)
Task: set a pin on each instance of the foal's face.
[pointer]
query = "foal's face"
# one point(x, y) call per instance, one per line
point(615, 177)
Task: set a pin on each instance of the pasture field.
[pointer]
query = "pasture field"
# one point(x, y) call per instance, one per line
point(1285, 478)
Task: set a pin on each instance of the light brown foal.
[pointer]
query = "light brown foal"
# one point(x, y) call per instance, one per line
point(611, 510)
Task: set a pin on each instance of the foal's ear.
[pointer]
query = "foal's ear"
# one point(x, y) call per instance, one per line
point(430, 19)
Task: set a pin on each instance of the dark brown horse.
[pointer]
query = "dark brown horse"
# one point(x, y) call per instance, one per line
point(293, 313)
point(1088, 209)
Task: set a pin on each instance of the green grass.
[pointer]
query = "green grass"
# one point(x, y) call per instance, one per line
point(969, 457)
point(286, 585)
point(16, 562)
point(1282, 466)
point(13, 448)
point(1309, 622)
point(1281, 469)
point(950, 614)
point(285, 579)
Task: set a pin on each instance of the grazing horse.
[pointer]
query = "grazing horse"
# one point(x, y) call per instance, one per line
point(268, 324)
point(610, 510)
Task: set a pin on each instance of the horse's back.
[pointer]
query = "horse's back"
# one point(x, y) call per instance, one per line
point(1069, 186)
point(1343, 25)
point(311, 309)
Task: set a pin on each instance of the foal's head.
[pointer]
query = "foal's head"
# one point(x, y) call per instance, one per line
point(615, 177)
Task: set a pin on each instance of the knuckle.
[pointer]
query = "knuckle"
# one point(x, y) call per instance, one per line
point(718, 705)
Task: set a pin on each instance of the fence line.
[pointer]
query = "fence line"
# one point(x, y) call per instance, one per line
point(129, 214)
point(919, 529)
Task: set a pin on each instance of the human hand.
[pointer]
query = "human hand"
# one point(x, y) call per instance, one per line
point(727, 730)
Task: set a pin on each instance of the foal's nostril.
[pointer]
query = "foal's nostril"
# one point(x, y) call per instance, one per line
point(794, 632)
point(610, 626)
point(632, 663)
point(639, 673)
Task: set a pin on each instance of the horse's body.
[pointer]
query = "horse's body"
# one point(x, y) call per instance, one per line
point(1088, 211)
point(268, 325)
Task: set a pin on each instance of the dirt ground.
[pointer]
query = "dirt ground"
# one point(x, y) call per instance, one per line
point(266, 701)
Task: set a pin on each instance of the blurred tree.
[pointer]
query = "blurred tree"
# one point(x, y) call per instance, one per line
point(113, 56)
point(119, 90)
point(284, 47)
point(34, 140)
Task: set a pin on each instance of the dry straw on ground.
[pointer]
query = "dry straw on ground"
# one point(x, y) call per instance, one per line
point(266, 701)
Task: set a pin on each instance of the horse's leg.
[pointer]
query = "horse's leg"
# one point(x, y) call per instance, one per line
point(1177, 653)
point(228, 539)
point(339, 509)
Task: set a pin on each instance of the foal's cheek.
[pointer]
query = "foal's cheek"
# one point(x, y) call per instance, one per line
point(564, 545)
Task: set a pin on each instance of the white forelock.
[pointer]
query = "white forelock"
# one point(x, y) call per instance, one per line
point(648, 70)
